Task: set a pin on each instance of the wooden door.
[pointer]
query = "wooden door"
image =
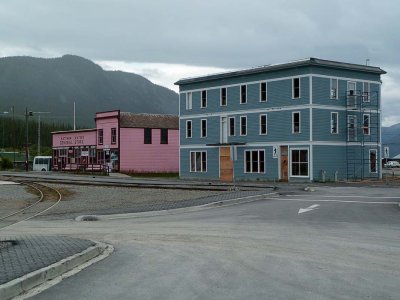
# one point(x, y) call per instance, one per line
point(284, 163)
point(225, 164)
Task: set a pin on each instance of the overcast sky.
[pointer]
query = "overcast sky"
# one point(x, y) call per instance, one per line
point(165, 40)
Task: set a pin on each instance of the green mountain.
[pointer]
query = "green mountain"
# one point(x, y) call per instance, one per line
point(52, 85)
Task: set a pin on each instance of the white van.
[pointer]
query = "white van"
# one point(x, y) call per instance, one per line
point(42, 163)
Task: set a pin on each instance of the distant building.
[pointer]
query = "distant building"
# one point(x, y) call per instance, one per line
point(126, 142)
point(308, 120)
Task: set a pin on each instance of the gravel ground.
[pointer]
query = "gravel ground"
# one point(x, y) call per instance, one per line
point(78, 199)
point(14, 197)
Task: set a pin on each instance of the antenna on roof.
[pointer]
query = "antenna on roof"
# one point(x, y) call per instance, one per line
point(367, 62)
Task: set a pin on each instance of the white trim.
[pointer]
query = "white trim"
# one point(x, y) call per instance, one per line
point(266, 92)
point(295, 112)
point(275, 109)
point(191, 129)
point(290, 162)
point(201, 128)
point(266, 124)
point(201, 98)
point(251, 165)
point(337, 89)
point(201, 162)
point(234, 126)
point(189, 100)
point(295, 98)
point(369, 124)
point(220, 96)
point(376, 161)
point(221, 129)
point(283, 78)
point(368, 100)
point(289, 143)
point(311, 163)
point(311, 110)
point(240, 123)
point(240, 94)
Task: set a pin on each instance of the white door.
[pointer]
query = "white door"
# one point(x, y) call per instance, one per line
point(224, 130)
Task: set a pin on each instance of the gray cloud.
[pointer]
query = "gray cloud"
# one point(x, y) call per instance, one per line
point(219, 33)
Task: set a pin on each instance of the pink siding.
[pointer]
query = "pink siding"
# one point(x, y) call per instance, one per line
point(74, 138)
point(106, 124)
point(139, 157)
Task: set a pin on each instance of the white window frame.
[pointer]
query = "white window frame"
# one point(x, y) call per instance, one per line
point(337, 122)
point(266, 124)
point(368, 125)
point(241, 94)
point(203, 127)
point(266, 91)
point(189, 100)
point(366, 92)
point(376, 160)
point(293, 113)
point(241, 132)
point(191, 129)
point(336, 88)
point(348, 88)
point(291, 162)
point(251, 162)
point(202, 154)
point(201, 98)
point(229, 126)
point(293, 96)
point(226, 96)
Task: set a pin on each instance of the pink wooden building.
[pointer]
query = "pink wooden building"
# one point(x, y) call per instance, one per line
point(127, 142)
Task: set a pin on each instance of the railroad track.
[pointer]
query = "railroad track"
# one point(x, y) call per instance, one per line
point(47, 198)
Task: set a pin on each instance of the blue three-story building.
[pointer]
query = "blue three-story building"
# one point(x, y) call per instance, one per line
point(308, 120)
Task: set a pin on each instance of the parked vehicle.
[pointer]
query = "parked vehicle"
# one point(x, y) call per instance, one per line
point(42, 163)
point(392, 164)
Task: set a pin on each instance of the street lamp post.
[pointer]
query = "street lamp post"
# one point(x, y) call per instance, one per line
point(3, 136)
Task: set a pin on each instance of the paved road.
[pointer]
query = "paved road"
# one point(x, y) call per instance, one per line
point(345, 245)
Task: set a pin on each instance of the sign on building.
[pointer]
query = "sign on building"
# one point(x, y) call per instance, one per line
point(275, 151)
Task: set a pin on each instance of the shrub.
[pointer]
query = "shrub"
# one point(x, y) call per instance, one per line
point(6, 163)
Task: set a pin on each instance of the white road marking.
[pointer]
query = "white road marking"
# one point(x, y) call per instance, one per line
point(332, 200)
point(7, 182)
point(345, 196)
point(310, 208)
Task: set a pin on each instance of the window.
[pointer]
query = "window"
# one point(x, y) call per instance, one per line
point(100, 136)
point(372, 161)
point(223, 99)
point(334, 123)
point(299, 162)
point(147, 135)
point(188, 129)
point(351, 128)
point(366, 92)
point(296, 88)
point(366, 124)
point(263, 124)
point(164, 136)
point(334, 88)
point(203, 128)
point(198, 161)
point(203, 99)
point(232, 126)
point(189, 98)
point(263, 92)
point(351, 88)
point(254, 161)
point(243, 125)
point(113, 135)
point(296, 122)
point(243, 94)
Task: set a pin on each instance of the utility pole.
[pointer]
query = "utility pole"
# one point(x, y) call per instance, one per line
point(14, 135)
point(39, 113)
point(27, 114)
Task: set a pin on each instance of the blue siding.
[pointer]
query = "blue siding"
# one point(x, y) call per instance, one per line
point(212, 164)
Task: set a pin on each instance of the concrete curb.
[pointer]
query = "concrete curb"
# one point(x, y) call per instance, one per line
point(222, 203)
point(23, 284)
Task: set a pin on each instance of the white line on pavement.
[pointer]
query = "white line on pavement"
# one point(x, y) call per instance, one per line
point(345, 196)
point(332, 200)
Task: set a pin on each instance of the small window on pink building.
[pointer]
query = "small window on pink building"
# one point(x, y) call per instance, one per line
point(147, 135)
point(100, 137)
point(164, 136)
point(113, 135)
